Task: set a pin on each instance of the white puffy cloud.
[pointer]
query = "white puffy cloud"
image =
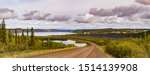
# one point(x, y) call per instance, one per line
point(86, 18)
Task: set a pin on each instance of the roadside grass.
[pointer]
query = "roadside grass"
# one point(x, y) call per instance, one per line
point(28, 53)
point(128, 48)
point(102, 48)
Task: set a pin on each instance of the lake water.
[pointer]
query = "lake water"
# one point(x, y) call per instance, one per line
point(67, 42)
point(50, 33)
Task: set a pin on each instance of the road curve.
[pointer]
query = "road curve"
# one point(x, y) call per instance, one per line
point(92, 51)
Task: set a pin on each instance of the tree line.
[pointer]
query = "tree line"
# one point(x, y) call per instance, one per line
point(14, 40)
point(12, 35)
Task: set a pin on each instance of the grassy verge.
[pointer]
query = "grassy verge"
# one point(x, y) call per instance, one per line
point(129, 48)
point(28, 53)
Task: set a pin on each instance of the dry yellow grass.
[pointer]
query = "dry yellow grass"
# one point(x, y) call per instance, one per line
point(32, 52)
point(103, 49)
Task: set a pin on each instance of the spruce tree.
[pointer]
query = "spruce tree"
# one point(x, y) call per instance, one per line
point(9, 35)
point(0, 33)
point(19, 39)
point(4, 32)
point(32, 39)
point(23, 37)
point(27, 32)
point(16, 36)
point(27, 37)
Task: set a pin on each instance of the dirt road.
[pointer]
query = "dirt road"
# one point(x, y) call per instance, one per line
point(92, 51)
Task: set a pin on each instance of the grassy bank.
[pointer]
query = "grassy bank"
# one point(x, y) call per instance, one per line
point(28, 53)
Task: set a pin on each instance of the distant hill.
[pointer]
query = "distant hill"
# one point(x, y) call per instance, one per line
point(45, 30)
point(52, 30)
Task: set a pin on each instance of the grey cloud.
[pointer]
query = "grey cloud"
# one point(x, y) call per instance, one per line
point(122, 11)
point(7, 13)
point(5, 10)
point(36, 15)
point(145, 16)
point(145, 2)
point(101, 12)
point(128, 10)
point(82, 21)
point(60, 18)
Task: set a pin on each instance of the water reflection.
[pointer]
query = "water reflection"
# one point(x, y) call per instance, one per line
point(67, 42)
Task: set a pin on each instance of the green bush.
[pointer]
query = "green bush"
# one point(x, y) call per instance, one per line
point(10, 47)
point(53, 45)
point(126, 49)
point(71, 45)
point(37, 45)
point(146, 42)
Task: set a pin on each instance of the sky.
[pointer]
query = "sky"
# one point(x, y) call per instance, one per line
point(61, 6)
point(76, 13)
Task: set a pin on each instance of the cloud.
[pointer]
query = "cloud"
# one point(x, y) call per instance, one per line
point(7, 13)
point(60, 18)
point(36, 15)
point(121, 14)
point(146, 15)
point(145, 2)
point(101, 12)
point(128, 10)
point(122, 11)
point(86, 18)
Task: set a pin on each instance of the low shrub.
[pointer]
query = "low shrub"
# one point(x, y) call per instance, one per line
point(53, 45)
point(126, 49)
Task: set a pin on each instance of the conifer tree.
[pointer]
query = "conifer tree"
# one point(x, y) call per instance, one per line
point(9, 35)
point(32, 39)
point(19, 39)
point(0, 33)
point(27, 32)
point(4, 32)
point(16, 36)
point(27, 37)
point(23, 37)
